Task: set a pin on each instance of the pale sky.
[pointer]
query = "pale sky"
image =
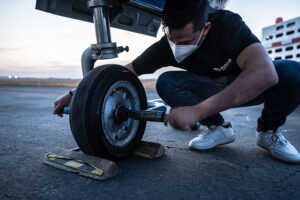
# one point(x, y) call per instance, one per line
point(39, 44)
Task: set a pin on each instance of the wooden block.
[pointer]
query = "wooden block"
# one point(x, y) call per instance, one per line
point(149, 150)
point(104, 169)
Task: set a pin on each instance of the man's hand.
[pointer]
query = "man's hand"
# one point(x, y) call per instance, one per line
point(182, 118)
point(60, 103)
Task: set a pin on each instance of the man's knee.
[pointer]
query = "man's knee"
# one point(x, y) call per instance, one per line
point(288, 72)
point(166, 82)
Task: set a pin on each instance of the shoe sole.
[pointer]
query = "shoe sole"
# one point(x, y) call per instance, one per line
point(194, 148)
point(288, 161)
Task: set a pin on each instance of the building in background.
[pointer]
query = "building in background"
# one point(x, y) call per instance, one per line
point(282, 40)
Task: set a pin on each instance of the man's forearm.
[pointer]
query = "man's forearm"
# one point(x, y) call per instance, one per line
point(130, 67)
point(249, 84)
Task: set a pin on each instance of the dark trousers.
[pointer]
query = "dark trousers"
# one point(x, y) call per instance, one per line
point(182, 88)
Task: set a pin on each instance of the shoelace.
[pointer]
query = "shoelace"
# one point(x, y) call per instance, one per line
point(278, 137)
point(207, 131)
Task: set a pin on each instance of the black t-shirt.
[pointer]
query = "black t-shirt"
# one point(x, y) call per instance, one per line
point(216, 57)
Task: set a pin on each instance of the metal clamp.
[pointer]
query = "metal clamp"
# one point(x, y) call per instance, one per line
point(97, 3)
point(104, 51)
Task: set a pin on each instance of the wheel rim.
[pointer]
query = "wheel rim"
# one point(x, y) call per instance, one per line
point(121, 93)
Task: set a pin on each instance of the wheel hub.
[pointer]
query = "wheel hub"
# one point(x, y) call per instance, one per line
point(120, 114)
point(121, 97)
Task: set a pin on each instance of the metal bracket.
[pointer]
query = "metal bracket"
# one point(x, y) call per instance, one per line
point(104, 49)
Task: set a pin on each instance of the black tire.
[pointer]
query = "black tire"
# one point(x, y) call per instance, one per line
point(87, 106)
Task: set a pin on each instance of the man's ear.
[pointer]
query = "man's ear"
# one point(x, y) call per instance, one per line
point(206, 28)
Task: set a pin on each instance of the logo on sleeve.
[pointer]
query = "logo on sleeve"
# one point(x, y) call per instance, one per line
point(224, 67)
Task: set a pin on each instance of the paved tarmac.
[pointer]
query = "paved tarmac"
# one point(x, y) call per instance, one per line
point(240, 170)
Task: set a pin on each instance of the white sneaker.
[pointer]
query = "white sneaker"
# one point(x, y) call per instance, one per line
point(278, 146)
point(212, 137)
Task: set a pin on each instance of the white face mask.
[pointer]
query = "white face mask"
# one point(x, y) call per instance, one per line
point(181, 52)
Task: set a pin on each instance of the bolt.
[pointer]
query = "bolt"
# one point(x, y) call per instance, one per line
point(125, 96)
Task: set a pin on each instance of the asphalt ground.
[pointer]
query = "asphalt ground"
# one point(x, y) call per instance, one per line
point(240, 170)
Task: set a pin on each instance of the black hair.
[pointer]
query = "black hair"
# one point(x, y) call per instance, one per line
point(177, 14)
